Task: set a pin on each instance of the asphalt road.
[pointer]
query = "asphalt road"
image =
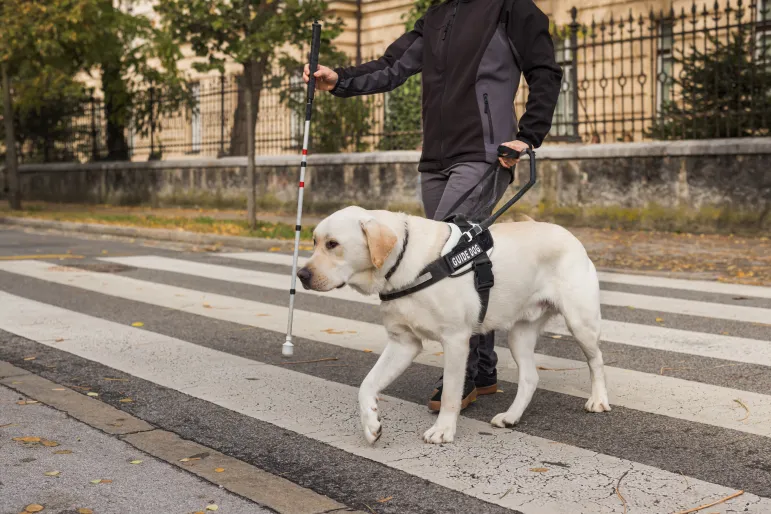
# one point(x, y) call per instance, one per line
point(194, 339)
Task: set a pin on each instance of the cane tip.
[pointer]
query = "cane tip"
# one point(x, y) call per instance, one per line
point(287, 349)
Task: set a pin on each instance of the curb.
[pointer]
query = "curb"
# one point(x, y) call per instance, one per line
point(159, 234)
point(245, 480)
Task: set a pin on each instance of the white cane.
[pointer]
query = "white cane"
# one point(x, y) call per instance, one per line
point(288, 348)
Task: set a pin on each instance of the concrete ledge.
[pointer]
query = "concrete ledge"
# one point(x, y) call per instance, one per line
point(735, 146)
point(179, 236)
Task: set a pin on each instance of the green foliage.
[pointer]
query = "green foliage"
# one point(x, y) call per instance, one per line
point(724, 93)
point(402, 125)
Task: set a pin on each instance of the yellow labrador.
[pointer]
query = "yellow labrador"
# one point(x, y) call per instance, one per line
point(541, 270)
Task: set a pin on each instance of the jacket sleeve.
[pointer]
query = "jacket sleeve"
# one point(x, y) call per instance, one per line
point(402, 59)
point(528, 30)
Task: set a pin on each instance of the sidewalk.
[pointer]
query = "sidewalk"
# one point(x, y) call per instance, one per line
point(727, 258)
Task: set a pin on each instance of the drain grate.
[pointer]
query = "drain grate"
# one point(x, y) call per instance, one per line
point(102, 267)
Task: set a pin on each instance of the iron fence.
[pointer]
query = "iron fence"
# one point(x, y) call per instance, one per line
point(691, 72)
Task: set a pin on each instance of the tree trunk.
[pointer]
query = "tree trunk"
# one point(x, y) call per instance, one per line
point(238, 138)
point(250, 120)
point(116, 112)
point(11, 164)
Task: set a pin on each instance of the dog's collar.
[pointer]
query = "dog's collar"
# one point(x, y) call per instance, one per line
point(401, 254)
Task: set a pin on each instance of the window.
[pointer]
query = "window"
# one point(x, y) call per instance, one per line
point(563, 119)
point(665, 64)
point(763, 37)
point(195, 120)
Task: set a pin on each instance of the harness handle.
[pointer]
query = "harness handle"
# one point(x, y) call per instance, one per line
point(530, 183)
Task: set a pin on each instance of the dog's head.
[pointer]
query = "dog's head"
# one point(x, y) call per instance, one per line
point(348, 248)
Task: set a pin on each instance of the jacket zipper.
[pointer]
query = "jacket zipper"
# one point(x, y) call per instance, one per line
point(445, 33)
point(489, 119)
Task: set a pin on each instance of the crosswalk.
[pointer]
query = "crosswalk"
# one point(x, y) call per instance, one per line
point(528, 469)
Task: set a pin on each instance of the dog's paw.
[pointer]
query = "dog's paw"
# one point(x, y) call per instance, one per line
point(370, 421)
point(439, 433)
point(505, 419)
point(597, 403)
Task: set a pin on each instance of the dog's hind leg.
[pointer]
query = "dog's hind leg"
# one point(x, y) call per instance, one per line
point(522, 338)
point(581, 309)
point(456, 348)
point(396, 357)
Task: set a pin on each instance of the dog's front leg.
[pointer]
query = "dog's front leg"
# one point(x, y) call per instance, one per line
point(397, 356)
point(456, 348)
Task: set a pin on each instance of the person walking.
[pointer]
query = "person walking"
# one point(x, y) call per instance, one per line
point(472, 54)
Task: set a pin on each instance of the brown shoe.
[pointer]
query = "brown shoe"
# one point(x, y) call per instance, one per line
point(469, 396)
point(491, 389)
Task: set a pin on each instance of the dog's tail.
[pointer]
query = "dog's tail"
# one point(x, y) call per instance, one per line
point(522, 217)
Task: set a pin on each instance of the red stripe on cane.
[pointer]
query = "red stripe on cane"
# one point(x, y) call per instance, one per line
point(302, 184)
point(305, 152)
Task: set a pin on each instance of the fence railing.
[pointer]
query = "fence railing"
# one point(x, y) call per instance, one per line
point(693, 72)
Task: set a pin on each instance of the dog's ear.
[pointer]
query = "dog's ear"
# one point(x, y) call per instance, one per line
point(380, 240)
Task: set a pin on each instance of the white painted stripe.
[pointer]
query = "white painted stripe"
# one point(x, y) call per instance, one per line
point(660, 338)
point(238, 275)
point(656, 394)
point(688, 307)
point(703, 286)
point(494, 468)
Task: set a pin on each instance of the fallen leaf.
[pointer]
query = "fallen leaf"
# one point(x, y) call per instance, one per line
point(659, 320)
point(383, 500)
point(27, 402)
point(539, 470)
point(367, 351)
point(499, 391)
point(219, 470)
point(135, 462)
point(85, 511)
point(33, 508)
point(105, 481)
point(137, 324)
point(274, 249)
point(206, 306)
point(58, 389)
point(439, 354)
point(199, 512)
point(92, 394)
point(333, 331)
point(189, 459)
point(27, 439)
point(96, 481)
point(63, 452)
point(125, 400)
point(556, 336)
point(50, 444)
point(213, 506)
point(59, 339)
point(52, 473)
point(30, 358)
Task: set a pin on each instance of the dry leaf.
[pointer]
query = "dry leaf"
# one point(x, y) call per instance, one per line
point(274, 249)
point(499, 391)
point(59, 339)
point(137, 324)
point(33, 508)
point(63, 452)
point(367, 351)
point(556, 336)
point(439, 354)
point(92, 394)
point(539, 470)
point(206, 306)
point(199, 512)
point(52, 473)
point(105, 481)
point(31, 358)
point(135, 462)
point(27, 439)
point(85, 511)
point(383, 500)
point(219, 470)
point(125, 400)
point(50, 444)
point(213, 506)
point(333, 331)
point(27, 402)
point(58, 389)
point(659, 320)
point(95, 481)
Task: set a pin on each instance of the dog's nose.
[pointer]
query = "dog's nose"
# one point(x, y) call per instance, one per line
point(304, 274)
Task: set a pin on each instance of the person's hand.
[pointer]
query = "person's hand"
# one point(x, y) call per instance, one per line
point(326, 79)
point(510, 162)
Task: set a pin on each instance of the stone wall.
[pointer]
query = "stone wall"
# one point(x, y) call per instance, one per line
point(689, 176)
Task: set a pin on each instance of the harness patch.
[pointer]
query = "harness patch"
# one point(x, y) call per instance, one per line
point(458, 260)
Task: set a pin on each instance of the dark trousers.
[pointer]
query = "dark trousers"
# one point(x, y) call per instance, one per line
point(439, 191)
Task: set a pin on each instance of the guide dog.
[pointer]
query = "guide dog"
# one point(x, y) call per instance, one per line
point(541, 270)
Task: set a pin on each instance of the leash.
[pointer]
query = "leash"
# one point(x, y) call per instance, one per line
point(288, 348)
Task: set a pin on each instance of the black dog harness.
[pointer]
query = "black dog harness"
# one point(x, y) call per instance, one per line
point(473, 248)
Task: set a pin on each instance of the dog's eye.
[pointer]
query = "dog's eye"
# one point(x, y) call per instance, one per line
point(331, 245)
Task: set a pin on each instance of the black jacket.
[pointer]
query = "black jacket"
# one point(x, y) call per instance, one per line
point(472, 54)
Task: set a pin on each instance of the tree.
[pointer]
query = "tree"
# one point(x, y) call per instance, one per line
point(725, 92)
point(250, 32)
